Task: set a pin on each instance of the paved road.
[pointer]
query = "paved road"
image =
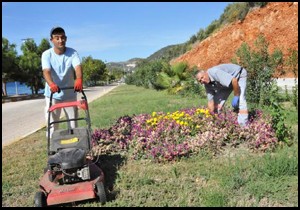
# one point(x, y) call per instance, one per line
point(22, 118)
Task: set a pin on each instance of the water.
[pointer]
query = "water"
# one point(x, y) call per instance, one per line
point(14, 88)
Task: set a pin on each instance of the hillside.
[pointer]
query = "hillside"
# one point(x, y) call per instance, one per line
point(278, 22)
point(127, 66)
point(160, 53)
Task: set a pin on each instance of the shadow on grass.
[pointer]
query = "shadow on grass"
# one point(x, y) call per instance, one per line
point(110, 165)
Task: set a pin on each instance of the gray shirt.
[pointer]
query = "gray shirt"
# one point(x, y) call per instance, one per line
point(220, 78)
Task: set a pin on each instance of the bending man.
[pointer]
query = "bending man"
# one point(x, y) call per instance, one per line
point(219, 81)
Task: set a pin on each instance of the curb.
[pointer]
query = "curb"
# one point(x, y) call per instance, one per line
point(14, 98)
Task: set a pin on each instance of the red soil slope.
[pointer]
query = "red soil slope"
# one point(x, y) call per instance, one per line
point(278, 22)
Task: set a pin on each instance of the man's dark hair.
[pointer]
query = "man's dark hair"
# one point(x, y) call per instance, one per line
point(56, 30)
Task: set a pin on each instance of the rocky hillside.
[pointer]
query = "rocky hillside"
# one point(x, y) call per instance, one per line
point(278, 22)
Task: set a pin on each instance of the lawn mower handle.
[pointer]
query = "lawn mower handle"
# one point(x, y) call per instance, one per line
point(50, 105)
point(66, 88)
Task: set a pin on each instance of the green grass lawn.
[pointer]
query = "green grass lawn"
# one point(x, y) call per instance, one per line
point(236, 178)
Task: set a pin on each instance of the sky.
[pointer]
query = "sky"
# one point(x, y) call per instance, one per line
point(110, 31)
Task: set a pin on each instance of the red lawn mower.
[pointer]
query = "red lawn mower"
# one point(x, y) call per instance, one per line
point(70, 176)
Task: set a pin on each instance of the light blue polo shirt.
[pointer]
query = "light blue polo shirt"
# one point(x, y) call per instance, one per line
point(220, 77)
point(62, 71)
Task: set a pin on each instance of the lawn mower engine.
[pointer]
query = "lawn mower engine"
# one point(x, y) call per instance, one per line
point(68, 165)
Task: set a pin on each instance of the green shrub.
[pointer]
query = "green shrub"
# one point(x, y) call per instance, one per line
point(261, 68)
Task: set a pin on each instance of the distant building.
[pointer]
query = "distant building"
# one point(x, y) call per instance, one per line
point(131, 65)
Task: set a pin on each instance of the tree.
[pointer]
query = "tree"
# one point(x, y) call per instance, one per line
point(9, 64)
point(116, 73)
point(30, 64)
point(292, 64)
point(201, 34)
point(44, 45)
point(93, 70)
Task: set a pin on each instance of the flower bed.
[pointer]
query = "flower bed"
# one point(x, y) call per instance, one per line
point(169, 136)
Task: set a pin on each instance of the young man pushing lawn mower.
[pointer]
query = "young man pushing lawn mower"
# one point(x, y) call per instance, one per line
point(70, 174)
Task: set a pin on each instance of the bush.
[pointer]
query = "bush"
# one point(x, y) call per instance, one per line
point(261, 68)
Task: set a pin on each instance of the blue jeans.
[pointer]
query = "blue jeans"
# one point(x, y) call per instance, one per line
point(222, 96)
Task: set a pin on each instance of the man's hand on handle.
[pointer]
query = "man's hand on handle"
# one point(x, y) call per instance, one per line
point(78, 85)
point(54, 88)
